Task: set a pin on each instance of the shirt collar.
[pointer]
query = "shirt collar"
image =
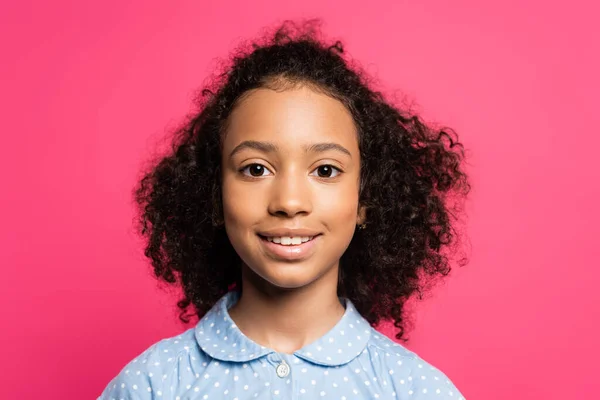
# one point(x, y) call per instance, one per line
point(219, 337)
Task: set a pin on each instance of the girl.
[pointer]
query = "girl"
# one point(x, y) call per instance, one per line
point(297, 210)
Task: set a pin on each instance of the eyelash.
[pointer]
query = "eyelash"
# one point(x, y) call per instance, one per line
point(244, 169)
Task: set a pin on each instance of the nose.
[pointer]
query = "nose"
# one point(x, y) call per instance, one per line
point(290, 195)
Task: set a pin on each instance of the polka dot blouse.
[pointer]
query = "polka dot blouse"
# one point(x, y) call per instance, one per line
point(215, 360)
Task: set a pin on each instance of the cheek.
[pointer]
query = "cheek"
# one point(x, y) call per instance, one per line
point(342, 212)
point(235, 209)
point(243, 206)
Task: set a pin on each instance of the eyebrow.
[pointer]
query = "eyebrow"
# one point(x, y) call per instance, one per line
point(267, 147)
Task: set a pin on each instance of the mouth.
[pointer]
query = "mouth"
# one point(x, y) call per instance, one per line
point(288, 240)
point(289, 248)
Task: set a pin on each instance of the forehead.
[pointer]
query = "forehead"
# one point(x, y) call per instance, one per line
point(290, 117)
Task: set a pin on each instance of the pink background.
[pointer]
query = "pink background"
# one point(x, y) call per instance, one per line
point(89, 89)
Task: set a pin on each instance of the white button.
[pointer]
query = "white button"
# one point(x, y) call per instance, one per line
point(283, 370)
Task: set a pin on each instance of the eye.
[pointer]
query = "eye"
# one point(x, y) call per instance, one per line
point(327, 171)
point(255, 170)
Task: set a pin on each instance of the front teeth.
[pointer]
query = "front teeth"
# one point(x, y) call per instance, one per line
point(290, 241)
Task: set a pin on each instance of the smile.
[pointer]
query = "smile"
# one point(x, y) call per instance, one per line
point(289, 248)
point(289, 241)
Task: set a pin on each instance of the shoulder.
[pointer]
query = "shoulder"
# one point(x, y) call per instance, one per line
point(152, 373)
point(409, 374)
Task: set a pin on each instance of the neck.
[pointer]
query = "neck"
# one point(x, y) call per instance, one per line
point(286, 320)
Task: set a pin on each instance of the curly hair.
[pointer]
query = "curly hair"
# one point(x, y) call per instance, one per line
point(410, 176)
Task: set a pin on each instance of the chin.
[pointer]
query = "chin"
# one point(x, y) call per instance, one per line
point(295, 277)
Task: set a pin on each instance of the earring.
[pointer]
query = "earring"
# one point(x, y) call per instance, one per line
point(362, 226)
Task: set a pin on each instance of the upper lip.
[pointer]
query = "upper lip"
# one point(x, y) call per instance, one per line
point(289, 233)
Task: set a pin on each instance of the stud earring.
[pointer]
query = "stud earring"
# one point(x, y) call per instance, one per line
point(362, 226)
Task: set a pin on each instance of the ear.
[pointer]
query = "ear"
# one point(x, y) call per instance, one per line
point(361, 216)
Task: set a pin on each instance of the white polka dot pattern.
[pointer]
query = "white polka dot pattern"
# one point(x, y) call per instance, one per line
point(215, 360)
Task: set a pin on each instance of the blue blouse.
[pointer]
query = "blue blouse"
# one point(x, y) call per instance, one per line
point(215, 360)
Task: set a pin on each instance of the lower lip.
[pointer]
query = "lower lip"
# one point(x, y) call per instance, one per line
point(292, 252)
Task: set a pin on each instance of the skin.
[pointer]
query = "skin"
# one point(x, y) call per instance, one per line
point(285, 304)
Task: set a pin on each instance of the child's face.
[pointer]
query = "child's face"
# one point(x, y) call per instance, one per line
point(276, 185)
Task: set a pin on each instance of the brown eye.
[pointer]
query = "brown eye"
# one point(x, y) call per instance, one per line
point(255, 170)
point(324, 171)
point(327, 171)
